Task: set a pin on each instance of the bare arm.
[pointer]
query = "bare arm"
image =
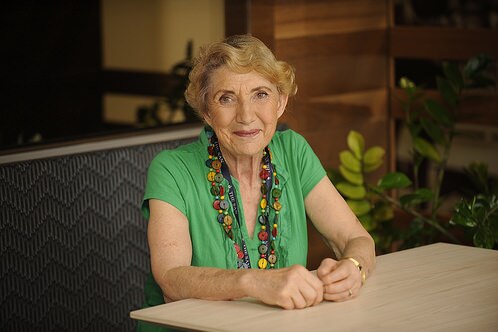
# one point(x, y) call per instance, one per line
point(171, 253)
point(343, 232)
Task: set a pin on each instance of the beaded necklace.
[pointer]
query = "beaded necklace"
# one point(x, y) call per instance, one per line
point(218, 172)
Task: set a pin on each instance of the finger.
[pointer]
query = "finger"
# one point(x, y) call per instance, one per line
point(326, 266)
point(340, 286)
point(340, 297)
point(312, 292)
point(343, 271)
point(298, 300)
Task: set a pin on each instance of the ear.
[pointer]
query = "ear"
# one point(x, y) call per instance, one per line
point(282, 103)
point(207, 118)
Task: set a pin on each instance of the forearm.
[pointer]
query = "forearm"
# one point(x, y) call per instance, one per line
point(362, 249)
point(203, 283)
point(289, 288)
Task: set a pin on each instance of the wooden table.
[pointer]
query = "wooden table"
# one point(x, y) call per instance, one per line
point(439, 287)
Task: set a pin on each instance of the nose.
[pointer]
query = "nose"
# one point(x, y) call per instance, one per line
point(245, 112)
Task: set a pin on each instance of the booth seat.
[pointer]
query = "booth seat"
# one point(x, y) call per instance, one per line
point(73, 246)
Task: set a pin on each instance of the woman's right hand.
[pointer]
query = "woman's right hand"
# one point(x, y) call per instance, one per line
point(290, 288)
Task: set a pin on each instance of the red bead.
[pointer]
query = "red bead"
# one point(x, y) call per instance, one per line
point(263, 236)
point(274, 232)
point(264, 174)
point(222, 191)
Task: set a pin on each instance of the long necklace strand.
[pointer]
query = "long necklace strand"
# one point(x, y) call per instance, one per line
point(270, 186)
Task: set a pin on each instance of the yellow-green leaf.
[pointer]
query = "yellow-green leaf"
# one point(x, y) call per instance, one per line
point(351, 191)
point(349, 161)
point(426, 149)
point(367, 168)
point(359, 207)
point(356, 143)
point(374, 155)
point(353, 177)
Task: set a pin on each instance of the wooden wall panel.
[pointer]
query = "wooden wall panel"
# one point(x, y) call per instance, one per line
point(438, 43)
point(310, 18)
point(339, 49)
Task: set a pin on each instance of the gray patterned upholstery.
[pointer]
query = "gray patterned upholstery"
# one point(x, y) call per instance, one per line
point(73, 243)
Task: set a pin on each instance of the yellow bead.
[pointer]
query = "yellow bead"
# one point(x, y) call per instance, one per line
point(210, 176)
point(262, 263)
point(263, 203)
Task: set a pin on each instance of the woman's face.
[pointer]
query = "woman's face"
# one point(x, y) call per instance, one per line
point(243, 110)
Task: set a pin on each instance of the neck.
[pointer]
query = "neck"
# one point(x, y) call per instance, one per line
point(245, 169)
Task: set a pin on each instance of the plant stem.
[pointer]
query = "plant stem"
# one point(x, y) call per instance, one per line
point(431, 221)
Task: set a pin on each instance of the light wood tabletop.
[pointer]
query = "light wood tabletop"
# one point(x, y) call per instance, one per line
point(439, 287)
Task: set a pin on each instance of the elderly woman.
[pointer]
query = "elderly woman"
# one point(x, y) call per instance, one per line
point(227, 214)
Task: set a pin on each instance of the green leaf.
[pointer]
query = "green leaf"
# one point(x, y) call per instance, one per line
point(463, 214)
point(367, 168)
point(353, 177)
point(408, 85)
point(426, 149)
point(420, 196)
point(351, 191)
point(359, 207)
point(394, 180)
point(433, 130)
point(447, 91)
point(476, 65)
point(374, 155)
point(453, 75)
point(356, 143)
point(484, 238)
point(350, 161)
point(438, 112)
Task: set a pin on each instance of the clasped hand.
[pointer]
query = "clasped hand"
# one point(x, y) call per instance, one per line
point(295, 287)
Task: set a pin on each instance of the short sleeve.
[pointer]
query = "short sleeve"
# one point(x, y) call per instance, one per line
point(311, 167)
point(162, 183)
point(302, 162)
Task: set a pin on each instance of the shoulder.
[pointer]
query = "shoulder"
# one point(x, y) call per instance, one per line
point(287, 139)
point(178, 157)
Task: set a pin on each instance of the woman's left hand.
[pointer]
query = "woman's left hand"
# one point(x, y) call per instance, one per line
point(341, 279)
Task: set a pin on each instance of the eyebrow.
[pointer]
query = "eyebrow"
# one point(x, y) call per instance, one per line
point(261, 87)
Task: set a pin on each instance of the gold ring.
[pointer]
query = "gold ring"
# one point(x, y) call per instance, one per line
point(350, 293)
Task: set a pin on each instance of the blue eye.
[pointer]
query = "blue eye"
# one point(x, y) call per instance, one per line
point(225, 99)
point(262, 94)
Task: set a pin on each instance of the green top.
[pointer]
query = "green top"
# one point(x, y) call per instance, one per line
point(179, 177)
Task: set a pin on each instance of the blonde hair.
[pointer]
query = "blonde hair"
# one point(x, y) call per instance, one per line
point(241, 54)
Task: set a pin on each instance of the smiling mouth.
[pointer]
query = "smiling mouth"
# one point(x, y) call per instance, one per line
point(247, 133)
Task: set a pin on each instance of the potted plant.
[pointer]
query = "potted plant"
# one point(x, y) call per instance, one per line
point(432, 127)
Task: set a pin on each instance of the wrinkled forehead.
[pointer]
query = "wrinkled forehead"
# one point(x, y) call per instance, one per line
point(225, 79)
